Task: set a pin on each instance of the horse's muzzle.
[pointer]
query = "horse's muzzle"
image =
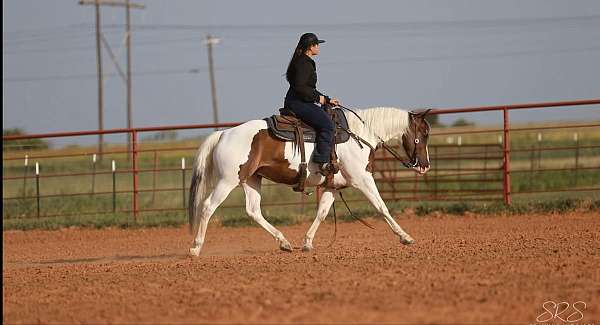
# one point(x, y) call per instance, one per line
point(421, 169)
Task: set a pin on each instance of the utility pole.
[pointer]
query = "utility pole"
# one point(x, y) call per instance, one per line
point(100, 82)
point(210, 41)
point(114, 3)
point(129, 100)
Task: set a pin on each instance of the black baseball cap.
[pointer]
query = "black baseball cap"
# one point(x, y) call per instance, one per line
point(309, 39)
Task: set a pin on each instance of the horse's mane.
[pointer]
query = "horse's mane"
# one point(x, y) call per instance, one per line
point(384, 122)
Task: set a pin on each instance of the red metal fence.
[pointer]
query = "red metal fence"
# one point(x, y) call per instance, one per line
point(479, 170)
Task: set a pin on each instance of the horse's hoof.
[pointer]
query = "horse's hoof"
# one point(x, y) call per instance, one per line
point(195, 251)
point(407, 240)
point(286, 247)
point(307, 248)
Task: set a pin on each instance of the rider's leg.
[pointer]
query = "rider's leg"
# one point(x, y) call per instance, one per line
point(318, 119)
point(252, 190)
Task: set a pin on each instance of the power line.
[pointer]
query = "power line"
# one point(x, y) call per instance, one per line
point(128, 5)
point(323, 62)
point(506, 22)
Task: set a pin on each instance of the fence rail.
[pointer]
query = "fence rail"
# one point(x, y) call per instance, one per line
point(477, 171)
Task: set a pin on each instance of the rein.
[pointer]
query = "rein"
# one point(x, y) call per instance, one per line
point(407, 164)
point(380, 144)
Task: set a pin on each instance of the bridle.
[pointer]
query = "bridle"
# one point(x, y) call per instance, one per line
point(414, 160)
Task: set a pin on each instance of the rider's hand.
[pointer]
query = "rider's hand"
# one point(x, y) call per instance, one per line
point(322, 100)
point(335, 102)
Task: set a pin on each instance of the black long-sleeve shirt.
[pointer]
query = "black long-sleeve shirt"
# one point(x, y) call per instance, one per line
point(303, 80)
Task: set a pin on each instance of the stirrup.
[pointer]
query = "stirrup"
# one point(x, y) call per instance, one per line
point(329, 168)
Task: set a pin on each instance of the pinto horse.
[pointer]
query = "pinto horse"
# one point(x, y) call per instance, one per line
point(246, 154)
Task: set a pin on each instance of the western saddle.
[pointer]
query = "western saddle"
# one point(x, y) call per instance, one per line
point(287, 127)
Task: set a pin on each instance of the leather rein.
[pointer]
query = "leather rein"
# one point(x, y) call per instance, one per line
point(414, 160)
point(382, 144)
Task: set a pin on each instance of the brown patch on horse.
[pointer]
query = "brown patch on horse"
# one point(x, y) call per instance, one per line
point(266, 159)
point(371, 165)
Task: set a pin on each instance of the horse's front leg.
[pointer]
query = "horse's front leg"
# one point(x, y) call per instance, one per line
point(325, 203)
point(366, 184)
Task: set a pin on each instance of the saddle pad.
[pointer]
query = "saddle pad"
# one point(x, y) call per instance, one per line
point(282, 127)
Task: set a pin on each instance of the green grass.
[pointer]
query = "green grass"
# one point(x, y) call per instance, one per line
point(96, 221)
point(541, 207)
point(174, 219)
point(526, 176)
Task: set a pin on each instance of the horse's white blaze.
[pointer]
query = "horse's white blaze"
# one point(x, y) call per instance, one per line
point(233, 150)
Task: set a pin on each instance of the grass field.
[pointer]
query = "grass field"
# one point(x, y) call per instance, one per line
point(448, 178)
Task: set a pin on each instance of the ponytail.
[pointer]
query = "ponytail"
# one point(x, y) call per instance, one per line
point(298, 52)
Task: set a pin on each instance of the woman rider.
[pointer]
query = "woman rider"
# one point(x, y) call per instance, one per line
point(307, 103)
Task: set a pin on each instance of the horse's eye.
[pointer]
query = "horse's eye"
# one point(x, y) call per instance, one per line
point(417, 141)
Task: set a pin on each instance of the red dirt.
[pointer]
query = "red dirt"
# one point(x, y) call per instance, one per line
point(461, 270)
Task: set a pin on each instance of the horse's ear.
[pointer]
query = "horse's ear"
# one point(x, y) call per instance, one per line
point(420, 112)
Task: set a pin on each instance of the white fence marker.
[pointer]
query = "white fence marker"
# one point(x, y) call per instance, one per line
point(114, 166)
point(37, 168)
point(26, 160)
point(182, 163)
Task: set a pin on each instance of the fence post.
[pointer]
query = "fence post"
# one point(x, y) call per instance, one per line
point(506, 150)
point(576, 138)
point(539, 151)
point(183, 180)
point(485, 161)
point(154, 177)
point(435, 172)
point(531, 166)
point(134, 169)
point(114, 185)
point(25, 175)
point(458, 161)
point(93, 173)
point(37, 187)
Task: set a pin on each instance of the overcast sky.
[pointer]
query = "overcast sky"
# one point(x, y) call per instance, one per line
point(378, 53)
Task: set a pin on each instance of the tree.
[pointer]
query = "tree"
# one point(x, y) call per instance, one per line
point(26, 144)
point(462, 122)
point(434, 120)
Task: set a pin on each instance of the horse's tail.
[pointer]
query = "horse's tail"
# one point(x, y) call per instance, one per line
point(203, 178)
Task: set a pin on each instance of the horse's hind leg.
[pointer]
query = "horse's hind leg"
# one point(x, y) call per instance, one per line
point(324, 205)
point(212, 202)
point(252, 191)
point(367, 186)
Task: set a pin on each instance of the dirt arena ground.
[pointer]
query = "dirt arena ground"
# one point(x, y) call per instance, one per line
point(470, 269)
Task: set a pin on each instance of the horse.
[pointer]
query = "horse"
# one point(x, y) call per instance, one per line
point(245, 154)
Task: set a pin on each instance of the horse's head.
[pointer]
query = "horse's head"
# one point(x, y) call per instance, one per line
point(414, 141)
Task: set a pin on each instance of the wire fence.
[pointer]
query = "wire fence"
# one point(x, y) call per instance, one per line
point(468, 165)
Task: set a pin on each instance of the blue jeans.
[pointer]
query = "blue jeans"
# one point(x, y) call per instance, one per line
point(318, 119)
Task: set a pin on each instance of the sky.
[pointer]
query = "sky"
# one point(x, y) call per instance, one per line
point(407, 54)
